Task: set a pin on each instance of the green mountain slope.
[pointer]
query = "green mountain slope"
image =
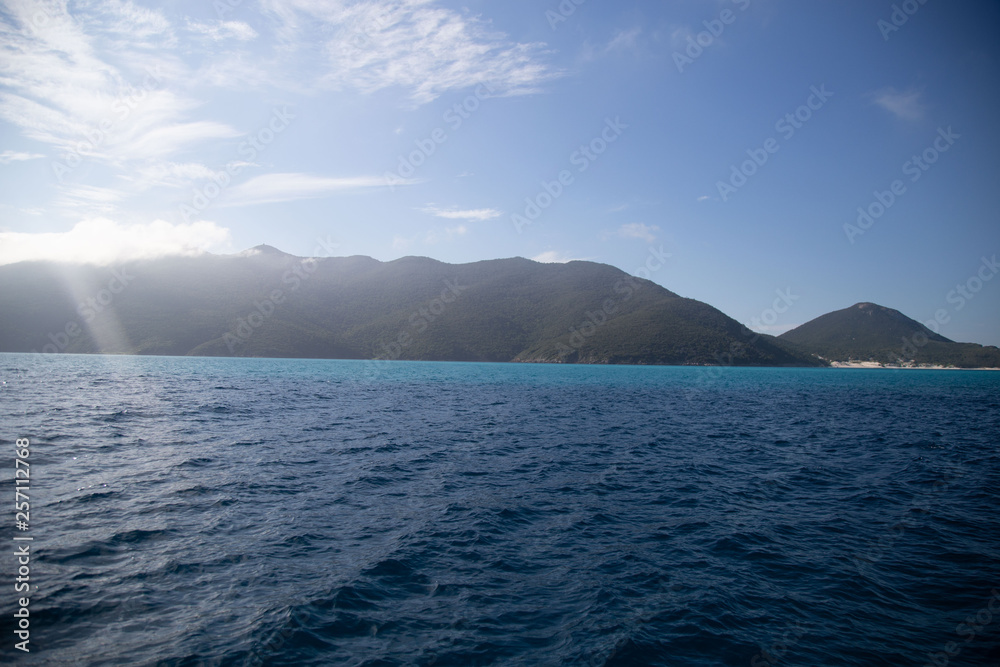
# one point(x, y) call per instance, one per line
point(869, 332)
point(266, 303)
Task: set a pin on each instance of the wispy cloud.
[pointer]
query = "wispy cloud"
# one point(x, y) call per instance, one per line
point(624, 40)
point(88, 200)
point(88, 84)
point(271, 188)
point(14, 156)
point(126, 19)
point(169, 139)
point(471, 215)
point(172, 174)
point(906, 105)
point(435, 236)
point(411, 44)
point(638, 230)
point(555, 257)
point(103, 241)
point(222, 30)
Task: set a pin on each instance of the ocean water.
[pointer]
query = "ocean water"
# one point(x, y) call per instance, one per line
point(291, 512)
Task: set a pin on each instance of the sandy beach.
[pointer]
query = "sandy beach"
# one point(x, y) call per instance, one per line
point(917, 367)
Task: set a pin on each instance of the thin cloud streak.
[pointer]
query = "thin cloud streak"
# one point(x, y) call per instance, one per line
point(638, 230)
point(271, 188)
point(471, 215)
point(17, 156)
point(906, 105)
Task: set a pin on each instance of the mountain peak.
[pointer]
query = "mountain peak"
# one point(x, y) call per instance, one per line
point(263, 250)
point(869, 332)
point(865, 321)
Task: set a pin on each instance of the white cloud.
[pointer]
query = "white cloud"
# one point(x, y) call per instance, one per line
point(412, 44)
point(555, 257)
point(244, 71)
point(222, 30)
point(170, 138)
point(471, 215)
point(125, 18)
point(624, 40)
point(906, 105)
point(440, 235)
point(14, 156)
point(170, 174)
point(103, 241)
point(88, 199)
point(116, 102)
point(704, 198)
point(638, 230)
point(271, 188)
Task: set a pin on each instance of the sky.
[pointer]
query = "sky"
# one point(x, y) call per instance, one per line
point(776, 159)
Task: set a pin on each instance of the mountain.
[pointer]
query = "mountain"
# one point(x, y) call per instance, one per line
point(266, 303)
point(869, 332)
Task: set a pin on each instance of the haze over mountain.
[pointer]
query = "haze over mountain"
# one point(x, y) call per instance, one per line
point(869, 332)
point(264, 302)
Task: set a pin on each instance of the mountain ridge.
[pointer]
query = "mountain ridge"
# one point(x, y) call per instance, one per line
point(265, 302)
point(269, 303)
point(868, 332)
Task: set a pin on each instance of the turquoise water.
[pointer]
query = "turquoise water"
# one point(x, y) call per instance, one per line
point(254, 511)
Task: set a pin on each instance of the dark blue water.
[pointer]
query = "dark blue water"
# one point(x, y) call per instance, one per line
point(274, 512)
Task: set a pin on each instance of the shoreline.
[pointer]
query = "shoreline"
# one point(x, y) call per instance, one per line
point(869, 365)
point(921, 367)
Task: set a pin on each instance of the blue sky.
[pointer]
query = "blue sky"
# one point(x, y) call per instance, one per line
point(740, 137)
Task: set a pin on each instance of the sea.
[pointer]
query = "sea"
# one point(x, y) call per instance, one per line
point(198, 511)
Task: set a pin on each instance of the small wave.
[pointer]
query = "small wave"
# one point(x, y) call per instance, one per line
point(199, 462)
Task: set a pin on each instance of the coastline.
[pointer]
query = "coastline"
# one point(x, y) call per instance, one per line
point(832, 364)
point(916, 367)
